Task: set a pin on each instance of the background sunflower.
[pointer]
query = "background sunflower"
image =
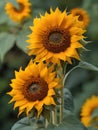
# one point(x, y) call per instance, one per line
point(82, 15)
point(88, 118)
point(20, 13)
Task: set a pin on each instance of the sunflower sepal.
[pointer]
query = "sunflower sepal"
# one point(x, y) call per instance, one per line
point(46, 114)
point(33, 113)
point(84, 42)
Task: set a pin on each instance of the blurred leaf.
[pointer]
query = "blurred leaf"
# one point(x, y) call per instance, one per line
point(28, 124)
point(59, 127)
point(91, 128)
point(5, 108)
point(26, 128)
point(6, 43)
point(44, 5)
point(68, 100)
point(3, 17)
point(21, 39)
point(93, 31)
point(16, 58)
point(67, 74)
point(71, 122)
point(4, 27)
point(37, 12)
point(86, 65)
point(86, 3)
point(22, 124)
point(77, 77)
point(88, 89)
point(3, 84)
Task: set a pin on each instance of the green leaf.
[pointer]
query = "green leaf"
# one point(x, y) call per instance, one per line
point(68, 100)
point(3, 84)
point(21, 40)
point(27, 128)
point(6, 43)
point(72, 123)
point(59, 127)
point(24, 124)
point(28, 124)
point(91, 128)
point(86, 3)
point(82, 64)
point(3, 16)
point(21, 123)
point(88, 89)
point(67, 74)
point(86, 65)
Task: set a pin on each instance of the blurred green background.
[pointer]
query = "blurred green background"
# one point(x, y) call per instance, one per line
point(82, 83)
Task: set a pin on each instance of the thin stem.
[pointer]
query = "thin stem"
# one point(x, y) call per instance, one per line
point(46, 123)
point(66, 75)
point(54, 117)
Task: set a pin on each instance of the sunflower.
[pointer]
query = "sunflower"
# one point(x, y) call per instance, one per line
point(55, 37)
point(82, 15)
point(88, 109)
point(34, 88)
point(21, 13)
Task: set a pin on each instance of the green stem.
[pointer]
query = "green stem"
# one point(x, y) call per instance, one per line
point(67, 74)
point(54, 117)
point(46, 123)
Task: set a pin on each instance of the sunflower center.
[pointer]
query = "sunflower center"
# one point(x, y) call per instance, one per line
point(57, 40)
point(37, 90)
point(20, 8)
point(34, 88)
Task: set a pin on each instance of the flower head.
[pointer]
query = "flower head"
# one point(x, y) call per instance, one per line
point(82, 15)
point(34, 88)
point(55, 37)
point(88, 108)
point(21, 13)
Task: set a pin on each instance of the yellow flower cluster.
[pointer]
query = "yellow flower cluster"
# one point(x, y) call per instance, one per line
point(55, 36)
